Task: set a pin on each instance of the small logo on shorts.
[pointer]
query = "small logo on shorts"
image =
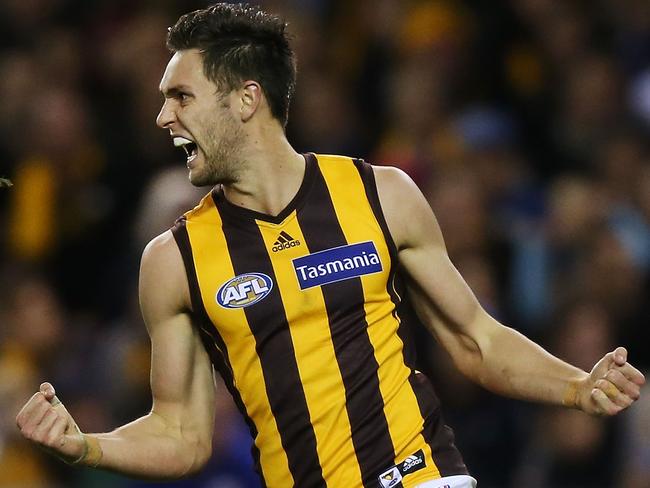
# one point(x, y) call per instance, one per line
point(394, 474)
point(390, 478)
point(244, 290)
point(284, 241)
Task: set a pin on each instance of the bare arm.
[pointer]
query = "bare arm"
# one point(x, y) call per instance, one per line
point(174, 439)
point(495, 356)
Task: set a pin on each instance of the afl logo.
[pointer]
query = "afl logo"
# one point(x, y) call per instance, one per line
point(244, 290)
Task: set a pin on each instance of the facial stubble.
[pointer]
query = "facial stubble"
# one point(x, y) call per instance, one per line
point(221, 144)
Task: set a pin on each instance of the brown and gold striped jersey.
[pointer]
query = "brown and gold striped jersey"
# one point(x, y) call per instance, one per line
point(300, 315)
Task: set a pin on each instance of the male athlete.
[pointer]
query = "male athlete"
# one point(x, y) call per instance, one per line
point(286, 278)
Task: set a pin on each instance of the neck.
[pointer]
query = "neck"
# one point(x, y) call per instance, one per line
point(272, 174)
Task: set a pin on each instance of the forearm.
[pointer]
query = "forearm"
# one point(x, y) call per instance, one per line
point(507, 363)
point(148, 448)
point(512, 365)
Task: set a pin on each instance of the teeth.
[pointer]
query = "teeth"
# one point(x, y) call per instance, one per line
point(181, 141)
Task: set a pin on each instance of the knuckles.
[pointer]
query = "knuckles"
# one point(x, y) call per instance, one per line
point(603, 406)
point(53, 440)
point(28, 432)
point(34, 431)
point(601, 385)
point(33, 418)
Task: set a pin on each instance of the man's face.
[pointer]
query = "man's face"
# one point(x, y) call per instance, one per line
point(200, 119)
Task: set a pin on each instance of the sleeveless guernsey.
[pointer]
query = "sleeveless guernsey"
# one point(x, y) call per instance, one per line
point(300, 315)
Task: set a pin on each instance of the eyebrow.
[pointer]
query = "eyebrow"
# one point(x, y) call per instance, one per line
point(174, 91)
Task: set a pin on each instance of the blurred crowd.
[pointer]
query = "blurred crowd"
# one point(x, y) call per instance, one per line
point(525, 122)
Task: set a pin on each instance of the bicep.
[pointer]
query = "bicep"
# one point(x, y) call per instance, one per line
point(442, 298)
point(182, 382)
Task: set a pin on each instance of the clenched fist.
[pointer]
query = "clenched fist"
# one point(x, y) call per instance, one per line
point(612, 386)
point(46, 422)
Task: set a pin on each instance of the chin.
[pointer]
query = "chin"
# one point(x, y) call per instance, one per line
point(199, 179)
point(202, 179)
point(201, 183)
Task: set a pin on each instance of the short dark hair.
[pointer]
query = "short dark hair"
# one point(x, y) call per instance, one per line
point(241, 42)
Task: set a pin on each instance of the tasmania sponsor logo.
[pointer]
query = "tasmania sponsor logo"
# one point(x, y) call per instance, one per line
point(244, 290)
point(390, 478)
point(337, 264)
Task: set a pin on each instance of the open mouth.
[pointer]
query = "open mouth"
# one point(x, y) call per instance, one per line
point(190, 147)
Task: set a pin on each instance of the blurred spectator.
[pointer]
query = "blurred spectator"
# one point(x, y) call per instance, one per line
point(637, 451)
point(32, 334)
point(526, 124)
point(591, 108)
point(569, 448)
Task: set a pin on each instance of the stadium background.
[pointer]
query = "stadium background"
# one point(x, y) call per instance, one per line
point(525, 123)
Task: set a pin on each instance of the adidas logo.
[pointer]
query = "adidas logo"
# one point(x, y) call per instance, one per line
point(284, 241)
point(410, 463)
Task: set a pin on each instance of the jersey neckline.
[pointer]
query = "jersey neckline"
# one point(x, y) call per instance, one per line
point(229, 208)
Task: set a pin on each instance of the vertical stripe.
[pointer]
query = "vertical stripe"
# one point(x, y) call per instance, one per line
point(394, 284)
point(213, 268)
point(370, 186)
point(212, 341)
point(382, 326)
point(316, 359)
point(438, 436)
point(344, 302)
point(277, 356)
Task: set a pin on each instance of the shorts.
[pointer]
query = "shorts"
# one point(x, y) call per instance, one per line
point(460, 481)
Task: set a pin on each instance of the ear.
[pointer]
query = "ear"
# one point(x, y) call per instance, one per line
point(250, 99)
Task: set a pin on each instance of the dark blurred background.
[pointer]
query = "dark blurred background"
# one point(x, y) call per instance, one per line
point(526, 123)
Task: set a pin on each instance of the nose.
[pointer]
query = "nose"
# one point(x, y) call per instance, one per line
point(166, 116)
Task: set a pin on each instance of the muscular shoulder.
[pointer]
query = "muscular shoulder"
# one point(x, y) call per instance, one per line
point(407, 212)
point(162, 250)
point(163, 282)
point(391, 177)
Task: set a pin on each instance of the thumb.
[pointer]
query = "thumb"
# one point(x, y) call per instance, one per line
point(620, 356)
point(70, 439)
point(50, 395)
point(48, 391)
